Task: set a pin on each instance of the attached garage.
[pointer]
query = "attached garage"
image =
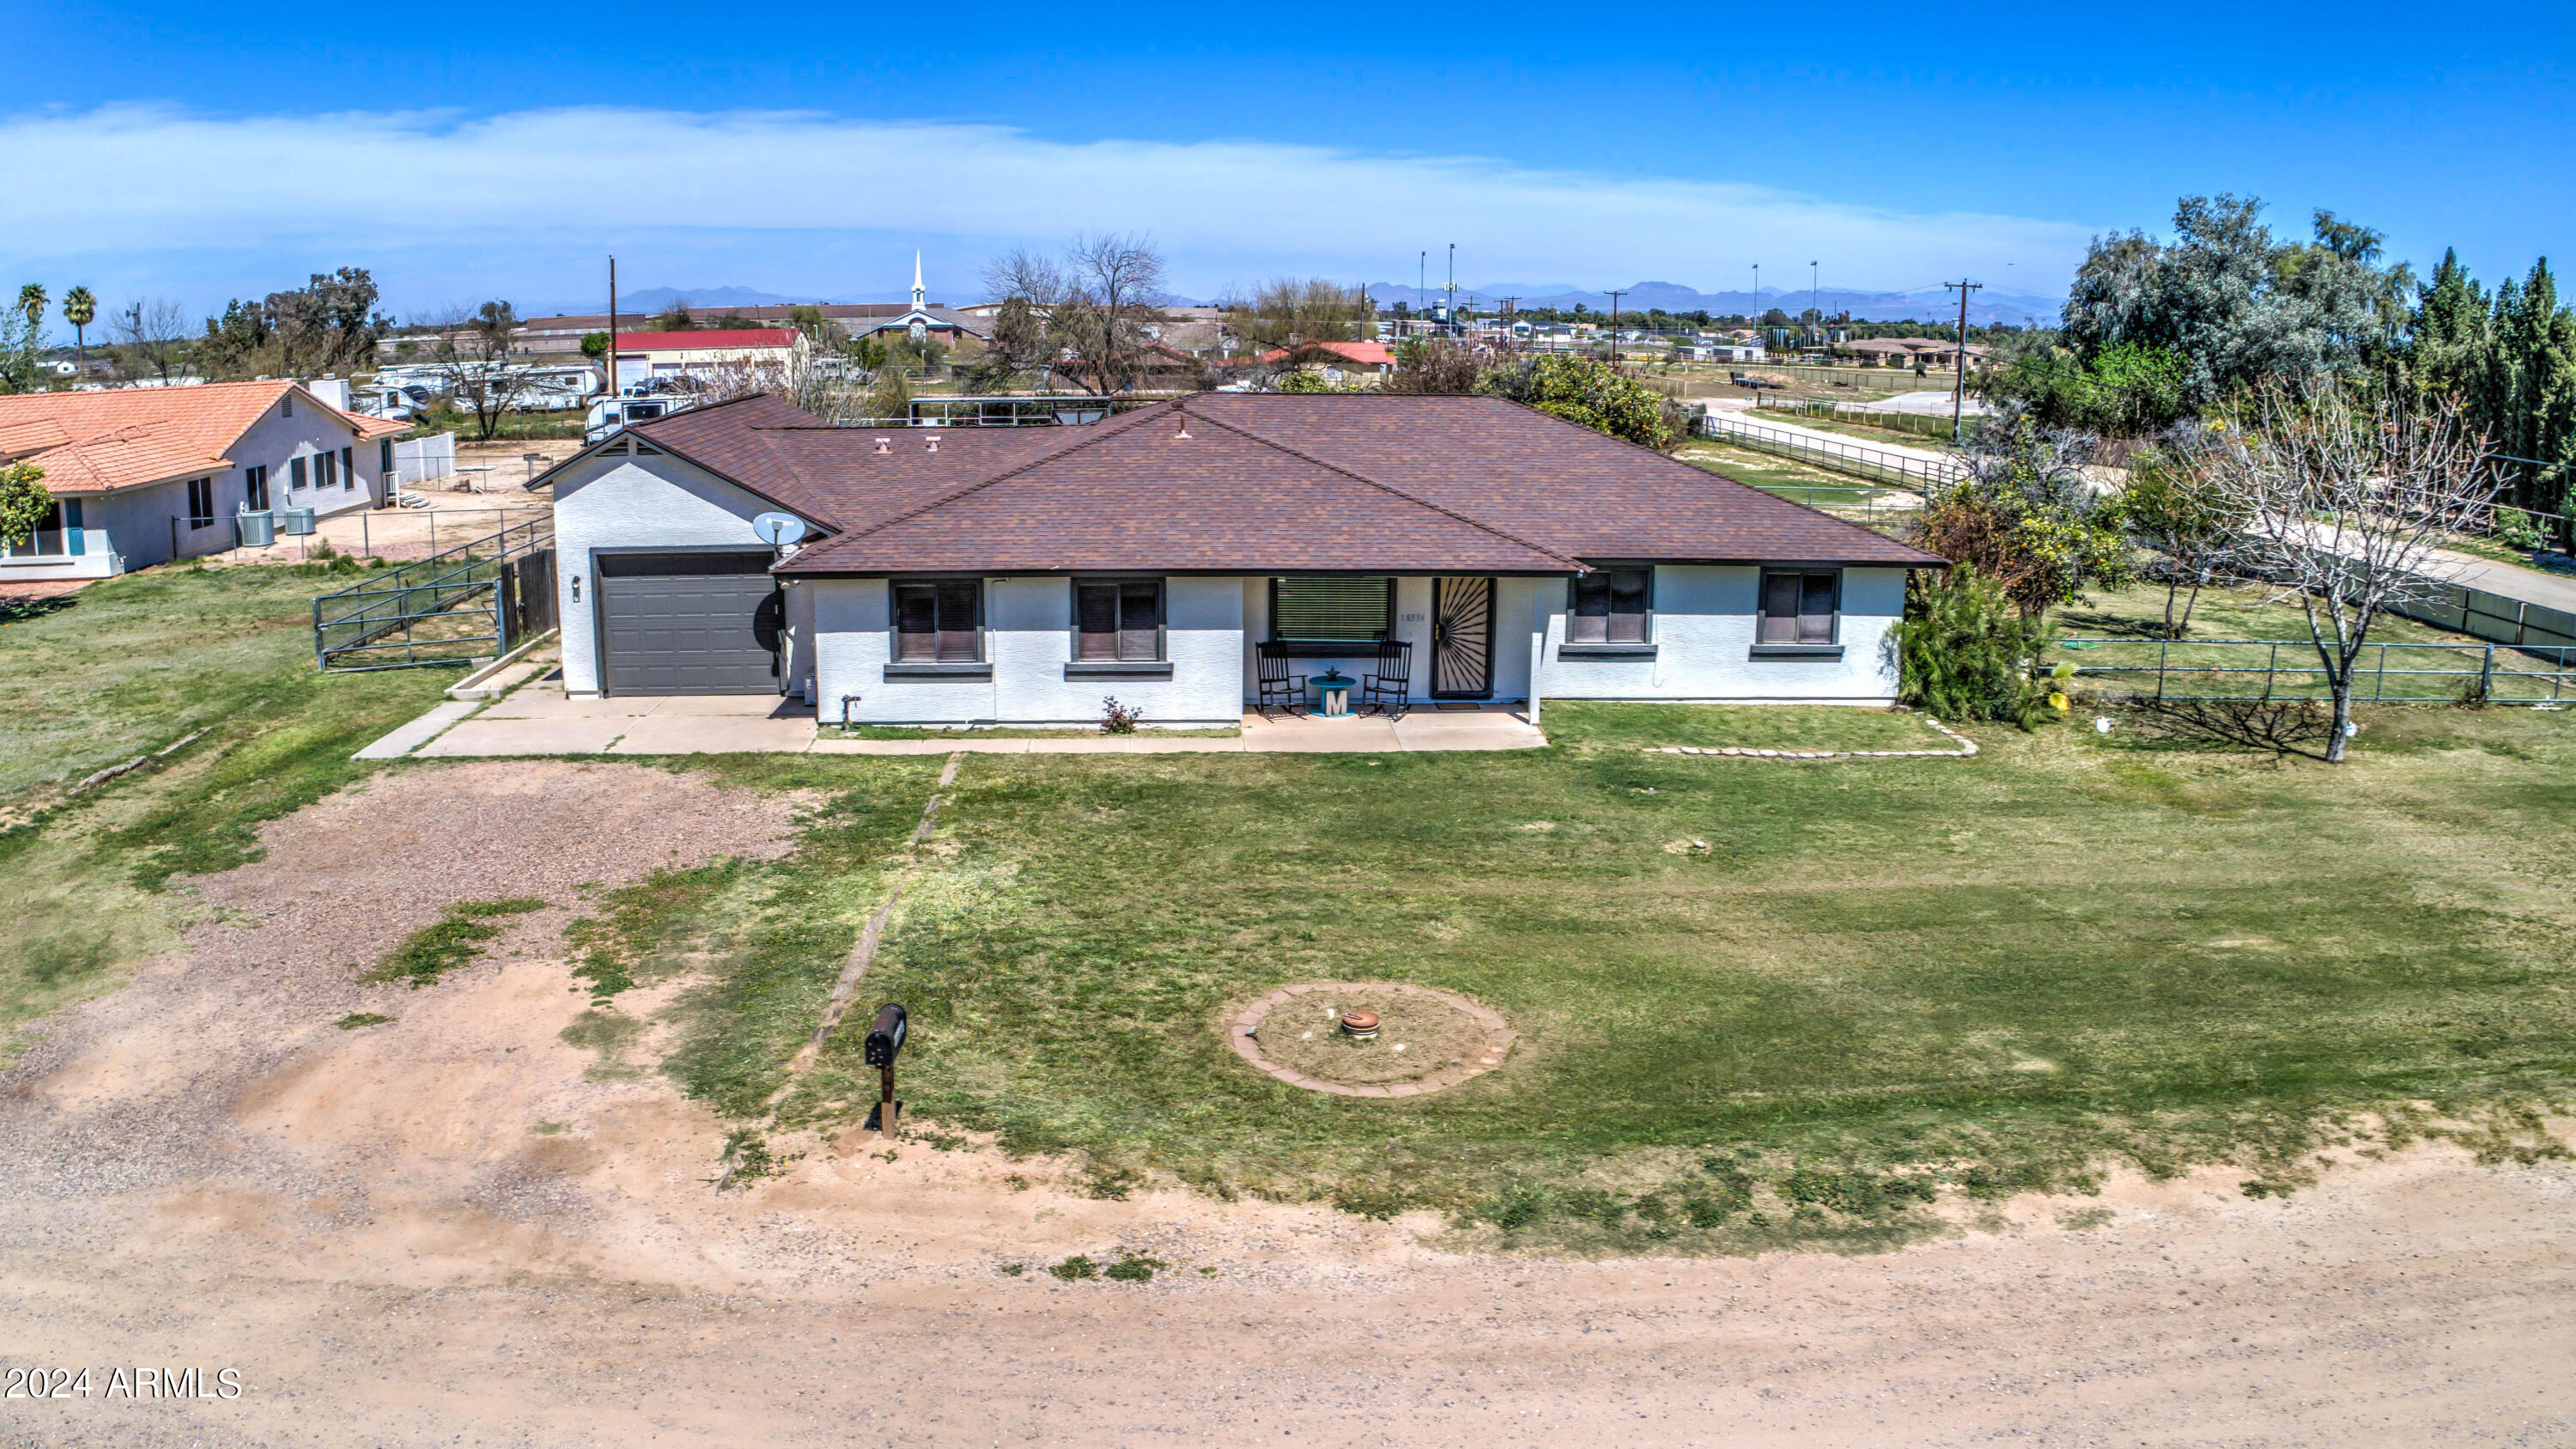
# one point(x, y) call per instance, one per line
point(687, 622)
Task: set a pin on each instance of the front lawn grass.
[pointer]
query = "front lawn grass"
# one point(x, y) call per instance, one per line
point(1874, 981)
point(1587, 724)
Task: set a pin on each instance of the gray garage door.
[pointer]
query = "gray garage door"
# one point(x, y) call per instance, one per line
point(681, 623)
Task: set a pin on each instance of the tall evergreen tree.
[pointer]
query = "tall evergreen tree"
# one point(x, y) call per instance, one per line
point(2526, 401)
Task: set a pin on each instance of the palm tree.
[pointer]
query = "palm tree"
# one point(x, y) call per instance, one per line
point(80, 309)
point(31, 300)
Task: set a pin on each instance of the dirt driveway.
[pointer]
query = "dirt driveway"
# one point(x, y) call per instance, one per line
point(458, 1229)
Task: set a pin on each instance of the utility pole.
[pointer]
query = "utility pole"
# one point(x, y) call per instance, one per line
point(1815, 300)
point(612, 327)
point(1510, 306)
point(1614, 327)
point(1959, 361)
point(1421, 280)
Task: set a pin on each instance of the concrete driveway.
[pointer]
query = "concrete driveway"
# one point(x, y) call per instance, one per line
point(541, 721)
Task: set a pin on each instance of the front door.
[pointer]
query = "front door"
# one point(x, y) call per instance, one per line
point(1462, 638)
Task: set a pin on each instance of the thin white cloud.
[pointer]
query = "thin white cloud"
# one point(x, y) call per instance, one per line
point(528, 191)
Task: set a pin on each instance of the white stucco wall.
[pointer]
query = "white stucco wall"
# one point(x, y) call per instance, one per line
point(1704, 620)
point(1028, 642)
point(277, 440)
point(616, 501)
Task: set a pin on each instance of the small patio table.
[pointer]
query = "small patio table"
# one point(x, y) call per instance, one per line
point(1333, 689)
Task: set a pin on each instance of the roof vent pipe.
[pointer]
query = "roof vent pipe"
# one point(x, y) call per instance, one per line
point(934, 442)
point(1183, 435)
point(881, 445)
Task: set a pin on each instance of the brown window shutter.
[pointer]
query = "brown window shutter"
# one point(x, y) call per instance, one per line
point(1096, 613)
point(916, 622)
point(957, 620)
point(1140, 618)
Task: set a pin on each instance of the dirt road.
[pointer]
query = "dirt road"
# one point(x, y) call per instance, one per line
point(459, 1229)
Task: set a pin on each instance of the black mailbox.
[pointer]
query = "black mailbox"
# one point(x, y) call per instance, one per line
point(885, 1036)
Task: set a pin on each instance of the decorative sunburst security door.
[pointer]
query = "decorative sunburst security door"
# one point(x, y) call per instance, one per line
point(1462, 638)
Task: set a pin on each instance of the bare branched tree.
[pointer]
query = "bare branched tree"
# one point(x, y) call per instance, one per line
point(817, 385)
point(470, 355)
point(1033, 277)
point(2343, 505)
point(153, 336)
point(1101, 300)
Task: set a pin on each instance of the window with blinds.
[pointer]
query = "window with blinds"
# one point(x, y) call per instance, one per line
point(1610, 607)
point(1118, 620)
point(939, 623)
point(1356, 608)
point(1798, 608)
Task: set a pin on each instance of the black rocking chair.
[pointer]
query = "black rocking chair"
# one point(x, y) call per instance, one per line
point(1386, 689)
point(1279, 688)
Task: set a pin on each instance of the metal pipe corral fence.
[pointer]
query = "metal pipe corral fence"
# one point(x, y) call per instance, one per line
point(2250, 670)
point(1858, 459)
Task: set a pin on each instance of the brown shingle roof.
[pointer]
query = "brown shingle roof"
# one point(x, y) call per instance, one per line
point(1401, 483)
point(98, 442)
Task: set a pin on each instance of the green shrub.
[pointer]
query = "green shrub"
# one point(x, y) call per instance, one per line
point(1964, 653)
point(1135, 1269)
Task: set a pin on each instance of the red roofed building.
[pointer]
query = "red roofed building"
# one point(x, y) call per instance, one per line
point(645, 356)
point(142, 475)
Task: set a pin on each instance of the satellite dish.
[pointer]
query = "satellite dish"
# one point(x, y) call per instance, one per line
point(778, 529)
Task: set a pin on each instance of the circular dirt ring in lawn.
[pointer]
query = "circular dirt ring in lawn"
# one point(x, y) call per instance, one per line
point(1426, 1040)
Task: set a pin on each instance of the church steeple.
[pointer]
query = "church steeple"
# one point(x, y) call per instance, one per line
point(919, 296)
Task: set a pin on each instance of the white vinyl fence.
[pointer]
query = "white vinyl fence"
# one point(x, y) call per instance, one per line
point(425, 460)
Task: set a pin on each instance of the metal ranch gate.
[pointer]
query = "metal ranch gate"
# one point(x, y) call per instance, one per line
point(474, 601)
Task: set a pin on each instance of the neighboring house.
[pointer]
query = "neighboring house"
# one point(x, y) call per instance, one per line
point(1016, 575)
point(668, 356)
point(1910, 352)
point(143, 475)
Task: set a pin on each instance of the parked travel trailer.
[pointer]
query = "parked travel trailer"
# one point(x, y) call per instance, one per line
point(608, 415)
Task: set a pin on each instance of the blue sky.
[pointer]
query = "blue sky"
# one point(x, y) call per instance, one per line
point(470, 149)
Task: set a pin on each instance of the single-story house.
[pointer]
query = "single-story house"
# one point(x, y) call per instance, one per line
point(143, 475)
point(648, 356)
point(1909, 352)
point(1016, 575)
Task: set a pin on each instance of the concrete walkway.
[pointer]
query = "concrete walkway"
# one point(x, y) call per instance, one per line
point(539, 719)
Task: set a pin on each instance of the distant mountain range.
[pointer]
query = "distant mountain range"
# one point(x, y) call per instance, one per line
point(1931, 304)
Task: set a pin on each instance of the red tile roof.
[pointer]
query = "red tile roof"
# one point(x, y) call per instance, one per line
point(99, 442)
point(1365, 483)
point(734, 341)
point(1364, 354)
